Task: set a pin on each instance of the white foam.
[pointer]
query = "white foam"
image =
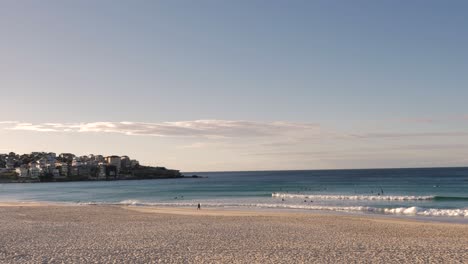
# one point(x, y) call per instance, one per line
point(414, 211)
point(132, 202)
point(141, 203)
point(352, 197)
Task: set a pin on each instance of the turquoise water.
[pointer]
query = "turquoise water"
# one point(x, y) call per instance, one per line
point(436, 192)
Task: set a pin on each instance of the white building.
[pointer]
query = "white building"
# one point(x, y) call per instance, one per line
point(77, 162)
point(34, 164)
point(56, 174)
point(125, 162)
point(115, 161)
point(34, 172)
point(51, 157)
point(63, 168)
point(22, 172)
point(43, 163)
point(102, 171)
point(10, 162)
point(99, 158)
point(134, 163)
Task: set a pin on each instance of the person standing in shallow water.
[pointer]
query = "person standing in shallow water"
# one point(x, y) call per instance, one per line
point(198, 207)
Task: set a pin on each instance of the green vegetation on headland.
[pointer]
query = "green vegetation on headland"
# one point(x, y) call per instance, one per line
point(48, 167)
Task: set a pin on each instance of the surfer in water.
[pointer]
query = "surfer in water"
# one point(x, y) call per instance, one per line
point(199, 206)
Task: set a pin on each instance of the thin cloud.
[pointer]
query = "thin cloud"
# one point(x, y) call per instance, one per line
point(8, 122)
point(291, 153)
point(197, 128)
point(409, 135)
point(418, 120)
point(195, 145)
point(280, 133)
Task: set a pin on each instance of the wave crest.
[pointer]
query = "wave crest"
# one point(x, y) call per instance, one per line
point(353, 197)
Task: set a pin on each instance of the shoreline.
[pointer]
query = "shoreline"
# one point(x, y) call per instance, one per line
point(266, 212)
point(287, 213)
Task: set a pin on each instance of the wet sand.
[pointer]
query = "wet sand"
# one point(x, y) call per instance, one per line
point(124, 234)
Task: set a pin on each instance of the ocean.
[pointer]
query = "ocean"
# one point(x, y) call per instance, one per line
point(425, 192)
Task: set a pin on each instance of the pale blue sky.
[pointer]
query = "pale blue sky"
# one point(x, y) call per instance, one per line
point(358, 70)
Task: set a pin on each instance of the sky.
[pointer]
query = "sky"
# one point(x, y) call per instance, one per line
point(238, 85)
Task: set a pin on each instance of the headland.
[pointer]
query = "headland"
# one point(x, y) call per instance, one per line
point(49, 167)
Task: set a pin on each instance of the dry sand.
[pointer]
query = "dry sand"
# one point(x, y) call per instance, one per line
point(112, 234)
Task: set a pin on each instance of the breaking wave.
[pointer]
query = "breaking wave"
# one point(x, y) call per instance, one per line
point(409, 211)
point(354, 197)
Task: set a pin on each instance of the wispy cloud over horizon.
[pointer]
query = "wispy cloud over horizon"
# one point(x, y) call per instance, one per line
point(409, 135)
point(288, 132)
point(196, 128)
point(418, 120)
point(227, 144)
point(8, 122)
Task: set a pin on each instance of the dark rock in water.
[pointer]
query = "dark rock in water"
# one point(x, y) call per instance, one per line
point(197, 176)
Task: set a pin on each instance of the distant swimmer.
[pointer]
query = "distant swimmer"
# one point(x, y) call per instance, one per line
point(199, 207)
point(282, 199)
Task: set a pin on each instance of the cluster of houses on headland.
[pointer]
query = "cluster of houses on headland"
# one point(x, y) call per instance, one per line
point(47, 166)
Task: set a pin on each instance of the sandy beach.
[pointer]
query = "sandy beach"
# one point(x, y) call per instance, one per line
point(41, 233)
